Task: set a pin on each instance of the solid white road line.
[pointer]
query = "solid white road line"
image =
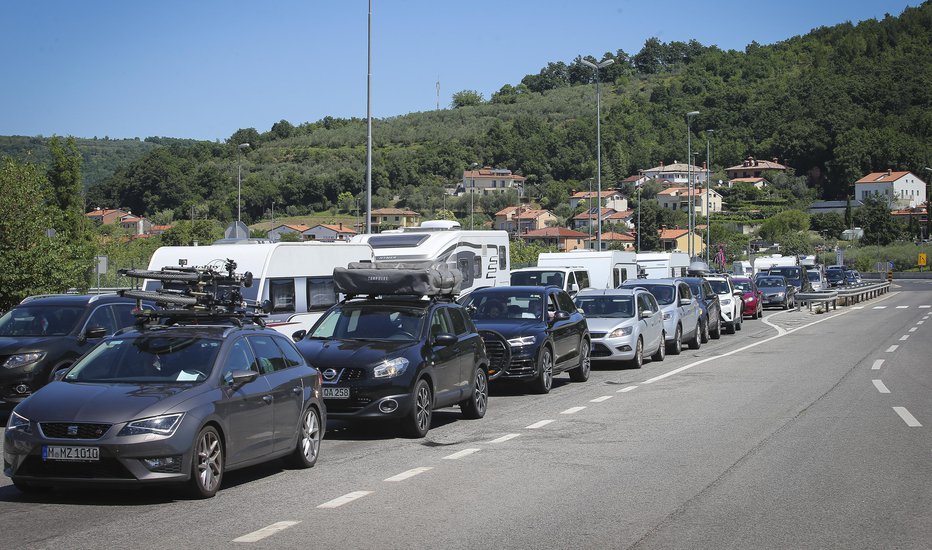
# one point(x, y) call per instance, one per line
point(892, 348)
point(266, 531)
point(536, 425)
point(902, 307)
point(504, 438)
point(876, 365)
point(409, 474)
point(623, 390)
point(858, 307)
point(914, 329)
point(461, 454)
point(908, 418)
point(600, 399)
point(345, 499)
point(880, 386)
point(572, 410)
point(904, 337)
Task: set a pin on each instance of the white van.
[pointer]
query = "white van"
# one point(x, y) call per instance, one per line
point(482, 256)
point(765, 263)
point(663, 265)
point(296, 278)
point(607, 269)
point(572, 279)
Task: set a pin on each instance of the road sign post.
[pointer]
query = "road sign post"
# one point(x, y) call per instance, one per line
point(922, 261)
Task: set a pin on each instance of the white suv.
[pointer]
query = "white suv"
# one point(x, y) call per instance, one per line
point(731, 301)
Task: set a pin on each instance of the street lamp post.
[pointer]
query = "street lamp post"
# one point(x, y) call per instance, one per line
point(639, 218)
point(689, 183)
point(598, 138)
point(928, 204)
point(239, 180)
point(472, 196)
point(708, 193)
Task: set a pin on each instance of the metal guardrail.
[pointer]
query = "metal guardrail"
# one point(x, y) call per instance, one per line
point(846, 295)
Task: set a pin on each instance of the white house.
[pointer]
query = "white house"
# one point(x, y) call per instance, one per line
point(329, 232)
point(900, 189)
point(676, 173)
point(610, 199)
point(488, 180)
point(677, 198)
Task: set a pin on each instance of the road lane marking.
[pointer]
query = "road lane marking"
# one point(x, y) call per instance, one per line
point(266, 531)
point(902, 307)
point(858, 307)
point(914, 329)
point(603, 398)
point(623, 390)
point(409, 474)
point(572, 410)
point(345, 499)
point(504, 438)
point(536, 425)
point(460, 454)
point(880, 307)
point(904, 337)
point(925, 307)
point(880, 386)
point(892, 348)
point(908, 418)
point(920, 322)
point(876, 365)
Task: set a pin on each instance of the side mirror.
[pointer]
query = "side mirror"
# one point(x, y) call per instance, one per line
point(645, 314)
point(267, 306)
point(94, 332)
point(738, 292)
point(445, 339)
point(561, 315)
point(685, 301)
point(574, 287)
point(238, 378)
point(60, 373)
point(298, 335)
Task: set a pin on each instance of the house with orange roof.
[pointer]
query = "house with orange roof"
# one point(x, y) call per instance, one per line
point(159, 229)
point(488, 180)
point(677, 240)
point(106, 216)
point(677, 198)
point(591, 217)
point(753, 168)
point(623, 241)
point(759, 183)
point(609, 199)
point(136, 225)
point(561, 238)
point(678, 173)
point(275, 234)
point(389, 218)
point(899, 189)
point(328, 232)
point(521, 219)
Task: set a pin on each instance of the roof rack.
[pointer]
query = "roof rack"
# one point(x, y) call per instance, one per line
point(194, 295)
point(419, 278)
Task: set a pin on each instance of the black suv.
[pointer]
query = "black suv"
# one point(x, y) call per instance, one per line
point(399, 358)
point(46, 333)
point(531, 333)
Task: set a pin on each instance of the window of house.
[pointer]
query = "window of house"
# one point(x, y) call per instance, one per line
point(281, 294)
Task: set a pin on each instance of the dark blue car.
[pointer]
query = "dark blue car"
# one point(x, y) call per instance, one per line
point(711, 316)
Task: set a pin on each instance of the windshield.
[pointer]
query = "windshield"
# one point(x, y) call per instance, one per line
point(368, 322)
point(771, 282)
point(813, 275)
point(34, 320)
point(664, 293)
point(744, 286)
point(834, 274)
point(502, 307)
point(720, 287)
point(791, 273)
point(537, 278)
point(148, 358)
point(606, 306)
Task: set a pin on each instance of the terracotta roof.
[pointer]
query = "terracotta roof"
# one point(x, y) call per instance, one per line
point(296, 227)
point(160, 227)
point(621, 215)
point(591, 215)
point(492, 173)
point(882, 177)
point(561, 232)
point(334, 227)
point(632, 179)
point(394, 211)
point(129, 219)
point(532, 214)
point(506, 211)
point(615, 236)
point(670, 234)
point(588, 194)
point(104, 212)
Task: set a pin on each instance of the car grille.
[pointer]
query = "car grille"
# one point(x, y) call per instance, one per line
point(521, 368)
point(73, 430)
point(497, 350)
point(350, 374)
point(600, 350)
point(597, 335)
point(105, 468)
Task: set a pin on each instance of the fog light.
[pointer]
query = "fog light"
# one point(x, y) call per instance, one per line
point(164, 464)
point(623, 348)
point(21, 389)
point(388, 406)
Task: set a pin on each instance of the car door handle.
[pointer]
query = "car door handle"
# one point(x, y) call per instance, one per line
point(267, 398)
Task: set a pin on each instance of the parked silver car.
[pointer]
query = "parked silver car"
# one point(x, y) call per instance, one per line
point(680, 311)
point(623, 324)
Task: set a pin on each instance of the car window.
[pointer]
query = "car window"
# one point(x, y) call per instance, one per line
point(552, 305)
point(124, 315)
point(565, 302)
point(240, 357)
point(38, 320)
point(151, 358)
point(102, 317)
point(654, 306)
point(582, 279)
point(439, 323)
point(685, 292)
point(644, 303)
point(458, 321)
point(502, 258)
point(707, 289)
point(269, 356)
point(292, 356)
point(571, 280)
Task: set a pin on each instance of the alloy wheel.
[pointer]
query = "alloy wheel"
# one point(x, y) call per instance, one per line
point(422, 408)
point(481, 395)
point(209, 457)
point(310, 436)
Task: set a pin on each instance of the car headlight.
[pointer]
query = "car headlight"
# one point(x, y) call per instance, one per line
point(23, 359)
point(749, 299)
point(779, 294)
point(390, 368)
point(667, 315)
point(159, 425)
point(522, 341)
point(726, 302)
point(18, 423)
point(619, 332)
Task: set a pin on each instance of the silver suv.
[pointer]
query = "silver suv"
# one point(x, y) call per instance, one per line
point(680, 310)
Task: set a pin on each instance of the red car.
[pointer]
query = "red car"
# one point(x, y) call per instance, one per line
point(753, 298)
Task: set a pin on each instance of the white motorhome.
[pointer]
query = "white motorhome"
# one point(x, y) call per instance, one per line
point(607, 269)
point(765, 263)
point(662, 265)
point(743, 268)
point(482, 256)
point(296, 278)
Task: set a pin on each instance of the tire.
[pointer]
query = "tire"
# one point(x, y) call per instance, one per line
point(638, 360)
point(475, 406)
point(416, 423)
point(661, 352)
point(581, 373)
point(704, 331)
point(717, 333)
point(730, 328)
point(695, 343)
point(786, 304)
point(677, 346)
point(207, 463)
point(544, 380)
point(309, 437)
point(739, 321)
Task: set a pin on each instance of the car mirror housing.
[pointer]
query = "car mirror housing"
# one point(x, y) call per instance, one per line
point(445, 339)
point(738, 292)
point(238, 378)
point(95, 332)
point(298, 335)
point(685, 301)
point(645, 314)
point(60, 374)
point(561, 315)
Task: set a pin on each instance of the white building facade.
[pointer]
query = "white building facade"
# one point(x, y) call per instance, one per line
point(899, 189)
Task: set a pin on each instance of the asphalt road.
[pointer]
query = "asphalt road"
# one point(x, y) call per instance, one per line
point(801, 431)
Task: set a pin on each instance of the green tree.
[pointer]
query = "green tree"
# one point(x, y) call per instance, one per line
point(346, 202)
point(186, 233)
point(829, 223)
point(792, 244)
point(788, 221)
point(650, 225)
point(466, 98)
point(880, 228)
point(525, 254)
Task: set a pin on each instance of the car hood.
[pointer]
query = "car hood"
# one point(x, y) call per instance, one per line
point(766, 289)
point(113, 403)
point(15, 344)
point(512, 329)
point(322, 354)
point(608, 324)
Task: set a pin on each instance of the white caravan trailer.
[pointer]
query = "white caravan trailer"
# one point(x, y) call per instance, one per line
point(743, 268)
point(663, 265)
point(482, 256)
point(296, 278)
point(607, 269)
point(765, 263)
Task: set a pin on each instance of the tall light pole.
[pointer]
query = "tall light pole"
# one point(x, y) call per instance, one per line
point(639, 216)
point(928, 204)
point(689, 183)
point(598, 139)
point(472, 196)
point(708, 193)
point(239, 180)
point(369, 128)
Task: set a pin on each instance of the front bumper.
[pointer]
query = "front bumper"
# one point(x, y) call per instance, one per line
point(774, 300)
point(522, 365)
point(613, 349)
point(19, 383)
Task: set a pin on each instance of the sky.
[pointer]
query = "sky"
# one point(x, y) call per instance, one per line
point(202, 69)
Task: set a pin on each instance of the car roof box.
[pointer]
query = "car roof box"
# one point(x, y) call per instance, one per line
point(387, 278)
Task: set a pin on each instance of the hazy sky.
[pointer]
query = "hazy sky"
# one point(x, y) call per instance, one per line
point(202, 69)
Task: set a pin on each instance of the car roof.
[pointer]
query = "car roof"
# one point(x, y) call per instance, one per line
point(506, 289)
point(75, 299)
point(642, 282)
point(631, 291)
point(203, 331)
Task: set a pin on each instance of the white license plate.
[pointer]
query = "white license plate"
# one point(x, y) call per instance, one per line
point(80, 454)
point(336, 393)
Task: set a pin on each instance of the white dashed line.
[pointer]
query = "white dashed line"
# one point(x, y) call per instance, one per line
point(536, 425)
point(461, 454)
point(925, 307)
point(880, 386)
point(600, 399)
point(572, 410)
point(892, 348)
point(623, 390)
point(876, 365)
point(908, 418)
point(880, 307)
point(904, 337)
point(920, 322)
point(345, 499)
point(858, 307)
point(504, 438)
point(914, 329)
point(902, 307)
point(266, 531)
point(409, 474)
